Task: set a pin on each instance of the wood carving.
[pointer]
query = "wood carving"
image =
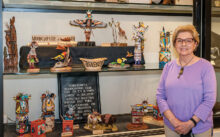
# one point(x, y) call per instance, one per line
point(88, 24)
point(119, 35)
point(11, 51)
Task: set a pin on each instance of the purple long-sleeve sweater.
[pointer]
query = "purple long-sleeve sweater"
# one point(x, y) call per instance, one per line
point(194, 93)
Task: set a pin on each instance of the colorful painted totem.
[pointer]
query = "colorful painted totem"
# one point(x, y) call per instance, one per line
point(48, 108)
point(165, 54)
point(22, 110)
point(156, 113)
point(139, 41)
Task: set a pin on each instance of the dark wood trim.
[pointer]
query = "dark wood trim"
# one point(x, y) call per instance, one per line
point(202, 22)
point(165, 13)
point(1, 75)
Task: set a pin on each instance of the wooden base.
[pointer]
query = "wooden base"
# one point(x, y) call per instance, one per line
point(131, 126)
point(118, 66)
point(48, 130)
point(119, 44)
point(97, 132)
point(111, 1)
point(90, 127)
point(34, 70)
point(110, 128)
point(29, 135)
point(64, 69)
point(66, 134)
point(151, 120)
point(138, 66)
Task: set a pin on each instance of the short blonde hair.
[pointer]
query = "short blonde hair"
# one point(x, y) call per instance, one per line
point(186, 28)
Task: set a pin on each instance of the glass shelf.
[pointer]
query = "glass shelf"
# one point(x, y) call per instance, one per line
point(149, 67)
point(216, 11)
point(79, 5)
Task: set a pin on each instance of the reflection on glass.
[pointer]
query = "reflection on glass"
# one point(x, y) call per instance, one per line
point(215, 47)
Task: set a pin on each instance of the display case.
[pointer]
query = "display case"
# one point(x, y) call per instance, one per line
point(215, 35)
point(101, 9)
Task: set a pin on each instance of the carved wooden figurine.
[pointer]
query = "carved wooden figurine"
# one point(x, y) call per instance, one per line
point(119, 35)
point(63, 61)
point(22, 110)
point(165, 54)
point(68, 120)
point(137, 114)
point(48, 108)
point(11, 52)
point(138, 36)
point(108, 121)
point(32, 58)
point(38, 128)
point(93, 121)
point(88, 24)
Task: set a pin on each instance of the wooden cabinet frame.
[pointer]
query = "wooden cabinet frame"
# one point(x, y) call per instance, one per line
point(201, 19)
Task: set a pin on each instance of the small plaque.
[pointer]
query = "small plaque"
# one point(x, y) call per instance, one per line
point(97, 132)
point(76, 126)
point(183, 2)
point(66, 134)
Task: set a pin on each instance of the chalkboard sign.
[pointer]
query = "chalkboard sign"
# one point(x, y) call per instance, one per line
point(80, 92)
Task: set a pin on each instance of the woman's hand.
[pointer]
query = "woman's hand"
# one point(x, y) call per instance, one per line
point(173, 120)
point(184, 127)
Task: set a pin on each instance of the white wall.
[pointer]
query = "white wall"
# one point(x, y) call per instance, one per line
point(118, 89)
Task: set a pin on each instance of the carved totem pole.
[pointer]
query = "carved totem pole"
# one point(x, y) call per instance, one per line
point(165, 54)
point(48, 108)
point(138, 36)
point(22, 110)
point(11, 51)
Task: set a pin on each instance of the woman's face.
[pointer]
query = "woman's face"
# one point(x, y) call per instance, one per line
point(185, 44)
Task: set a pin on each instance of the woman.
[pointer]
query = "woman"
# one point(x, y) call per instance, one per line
point(187, 89)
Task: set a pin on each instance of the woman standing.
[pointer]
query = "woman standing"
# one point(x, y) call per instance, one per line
point(187, 89)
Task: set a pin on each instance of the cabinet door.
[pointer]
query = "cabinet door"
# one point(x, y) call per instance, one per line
point(215, 52)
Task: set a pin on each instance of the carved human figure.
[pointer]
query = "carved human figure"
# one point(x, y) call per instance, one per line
point(32, 55)
point(93, 119)
point(138, 36)
point(88, 24)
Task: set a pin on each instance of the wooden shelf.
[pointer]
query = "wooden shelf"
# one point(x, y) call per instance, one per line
point(113, 7)
point(149, 67)
point(216, 11)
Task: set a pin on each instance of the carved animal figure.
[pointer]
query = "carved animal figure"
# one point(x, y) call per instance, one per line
point(93, 119)
point(121, 32)
point(108, 119)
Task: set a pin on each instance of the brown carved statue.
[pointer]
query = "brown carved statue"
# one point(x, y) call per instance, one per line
point(11, 51)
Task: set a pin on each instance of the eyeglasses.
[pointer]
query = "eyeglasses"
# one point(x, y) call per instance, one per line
point(187, 41)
